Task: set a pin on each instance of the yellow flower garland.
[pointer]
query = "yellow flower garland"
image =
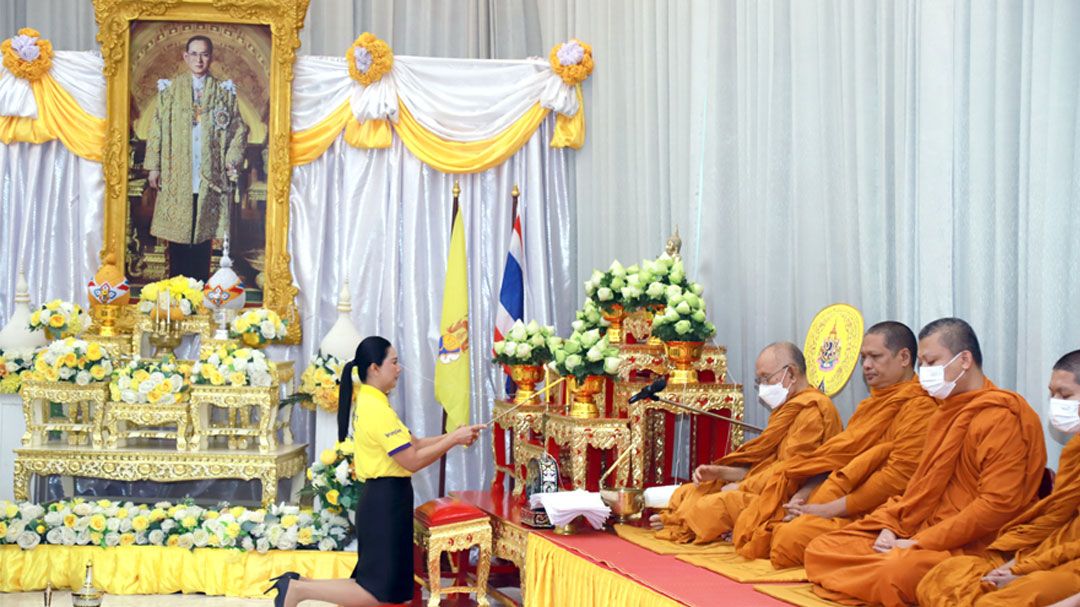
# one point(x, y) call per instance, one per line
point(382, 59)
point(28, 70)
point(576, 73)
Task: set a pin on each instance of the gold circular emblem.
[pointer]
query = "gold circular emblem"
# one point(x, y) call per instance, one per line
point(832, 347)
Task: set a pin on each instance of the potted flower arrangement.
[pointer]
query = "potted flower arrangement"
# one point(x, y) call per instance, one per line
point(320, 381)
point(59, 319)
point(617, 292)
point(684, 329)
point(653, 278)
point(233, 366)
point(525, 349)
point(590, 316)
point(589, 358)
point(257, 327)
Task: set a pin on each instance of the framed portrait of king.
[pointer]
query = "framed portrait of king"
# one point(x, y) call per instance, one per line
point(197, 151)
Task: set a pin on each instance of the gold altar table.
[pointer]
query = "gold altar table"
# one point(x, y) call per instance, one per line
point(520, 426)
point(143, 461)
point(578, 435)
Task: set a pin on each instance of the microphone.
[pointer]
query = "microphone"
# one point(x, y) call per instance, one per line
point(649, 392)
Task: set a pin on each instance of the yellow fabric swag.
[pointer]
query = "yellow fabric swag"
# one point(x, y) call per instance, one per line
point(59, 117)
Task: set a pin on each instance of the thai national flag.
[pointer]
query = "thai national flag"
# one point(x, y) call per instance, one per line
point(512, 292)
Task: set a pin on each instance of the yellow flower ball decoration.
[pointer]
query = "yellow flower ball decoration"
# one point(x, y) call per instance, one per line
point(369, 59)
point(26, 55)
point(572, 61)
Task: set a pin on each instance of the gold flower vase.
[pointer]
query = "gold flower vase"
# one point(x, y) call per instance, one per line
point(106, 316)
point(584, 405)
point(615, 317)
point(657, 309)
point(683, 355)
point(526, 377)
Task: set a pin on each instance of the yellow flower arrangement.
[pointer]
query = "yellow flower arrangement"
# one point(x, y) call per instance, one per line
point(257, 327)
point(319, 382)
point(234, 366)
point(69, 360)
point(16, 365)
point(572, 61)
point(369, 59)
point(58, 319)
point(26, 55)
point(185, 296)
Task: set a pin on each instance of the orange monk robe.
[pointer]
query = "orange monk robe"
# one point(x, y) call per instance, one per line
point(796, 428)
point(869, 462)
point(981, 467)
point(1044, 540)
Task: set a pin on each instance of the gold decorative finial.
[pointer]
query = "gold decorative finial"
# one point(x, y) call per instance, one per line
point(674, 244)
point(457, 189)
point(515, 192)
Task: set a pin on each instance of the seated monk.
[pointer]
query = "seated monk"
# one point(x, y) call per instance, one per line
point(1035, 560)
point(866, 464)
point(980, 468)
point(802, 419)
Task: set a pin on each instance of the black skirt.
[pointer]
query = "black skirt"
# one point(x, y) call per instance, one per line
point(384, 533)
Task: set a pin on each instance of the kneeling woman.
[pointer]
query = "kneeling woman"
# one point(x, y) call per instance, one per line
point(386, 456)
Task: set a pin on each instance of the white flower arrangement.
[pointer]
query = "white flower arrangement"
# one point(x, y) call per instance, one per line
point(586, 353)
point(526, 344)
point(653, 277)
point(683, 318)
point(81, 522)
point(618, 286)
point(73, 360)
point(148, 381)
point(257, 327)
point(331, 480)
point(232, 365)
point(589, 317)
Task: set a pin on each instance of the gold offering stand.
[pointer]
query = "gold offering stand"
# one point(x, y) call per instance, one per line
point(240, 402)
point(119, 416)
point(522, 424)
point(652, 426)
point(577, 435)
point(165, 334)
point(111, 328)
point(83, 407)
point(643, 359)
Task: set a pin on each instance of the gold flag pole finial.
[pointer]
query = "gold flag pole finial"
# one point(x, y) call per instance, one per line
point(515, 192)
point(457, 189)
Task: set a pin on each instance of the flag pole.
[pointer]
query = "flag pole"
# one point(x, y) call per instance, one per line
point(442, 460)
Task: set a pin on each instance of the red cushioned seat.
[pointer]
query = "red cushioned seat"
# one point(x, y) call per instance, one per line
point(445, 511)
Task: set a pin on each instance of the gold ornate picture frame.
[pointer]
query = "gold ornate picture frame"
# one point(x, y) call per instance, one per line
point(284, 18)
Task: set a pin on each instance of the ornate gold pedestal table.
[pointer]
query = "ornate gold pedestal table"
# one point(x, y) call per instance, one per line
point(83, 407)
point(652, 425)
point(585, 439)
point(141, 461)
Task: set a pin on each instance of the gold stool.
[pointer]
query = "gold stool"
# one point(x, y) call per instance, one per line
point(448, 525)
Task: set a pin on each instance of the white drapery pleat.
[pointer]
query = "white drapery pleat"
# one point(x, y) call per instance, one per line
point(454, 99)
point(381, 218)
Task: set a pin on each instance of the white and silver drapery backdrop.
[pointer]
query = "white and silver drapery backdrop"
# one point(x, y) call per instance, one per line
point(915, 158)
point(381, 219)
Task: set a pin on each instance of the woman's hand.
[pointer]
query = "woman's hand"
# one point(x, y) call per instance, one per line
point(466, 435)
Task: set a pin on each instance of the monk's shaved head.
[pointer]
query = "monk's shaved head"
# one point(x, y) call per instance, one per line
point(956, 335)
point(1070, 363)
point(897, 337)
point(788, 354)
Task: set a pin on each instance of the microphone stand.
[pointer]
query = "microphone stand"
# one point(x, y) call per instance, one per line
point(704, 412)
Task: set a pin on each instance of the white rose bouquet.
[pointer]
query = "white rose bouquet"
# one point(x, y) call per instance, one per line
point(586, 353)
point(526, 344)
point(73, 360)
point(683, 318)
point(151, 382)
point(231, 365)
point(257, 327)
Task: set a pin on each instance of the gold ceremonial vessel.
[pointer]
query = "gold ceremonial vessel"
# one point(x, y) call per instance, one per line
point(87, 596)
point(615, 317)
point(683, 355)
point(526, 377)
point(626, 503)
point(584, 405)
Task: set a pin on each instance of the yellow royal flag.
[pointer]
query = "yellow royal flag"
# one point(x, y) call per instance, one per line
point(452, 365)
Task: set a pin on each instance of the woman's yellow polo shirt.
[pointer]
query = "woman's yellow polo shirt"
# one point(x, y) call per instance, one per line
point(378, 433)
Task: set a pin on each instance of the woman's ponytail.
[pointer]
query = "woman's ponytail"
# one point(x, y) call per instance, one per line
point(344, 407)
point(371, 351)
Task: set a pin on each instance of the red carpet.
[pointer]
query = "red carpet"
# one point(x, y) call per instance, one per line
point(665, 574)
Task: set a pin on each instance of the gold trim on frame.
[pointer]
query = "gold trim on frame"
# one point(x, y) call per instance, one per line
point(285, 18)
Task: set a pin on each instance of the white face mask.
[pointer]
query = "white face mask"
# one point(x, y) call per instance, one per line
point(933, 380)
point(1065, 415)
point(774, 395)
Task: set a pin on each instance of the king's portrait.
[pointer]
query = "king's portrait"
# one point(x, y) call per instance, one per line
point(197, 175)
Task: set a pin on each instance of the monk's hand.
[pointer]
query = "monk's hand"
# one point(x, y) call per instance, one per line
point(829, 510)
point(885, 542)
point(730, 487)
point(900, 544)
point(705, 473)
point(154, 179)
point(655, 523)
point(1001, 576)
